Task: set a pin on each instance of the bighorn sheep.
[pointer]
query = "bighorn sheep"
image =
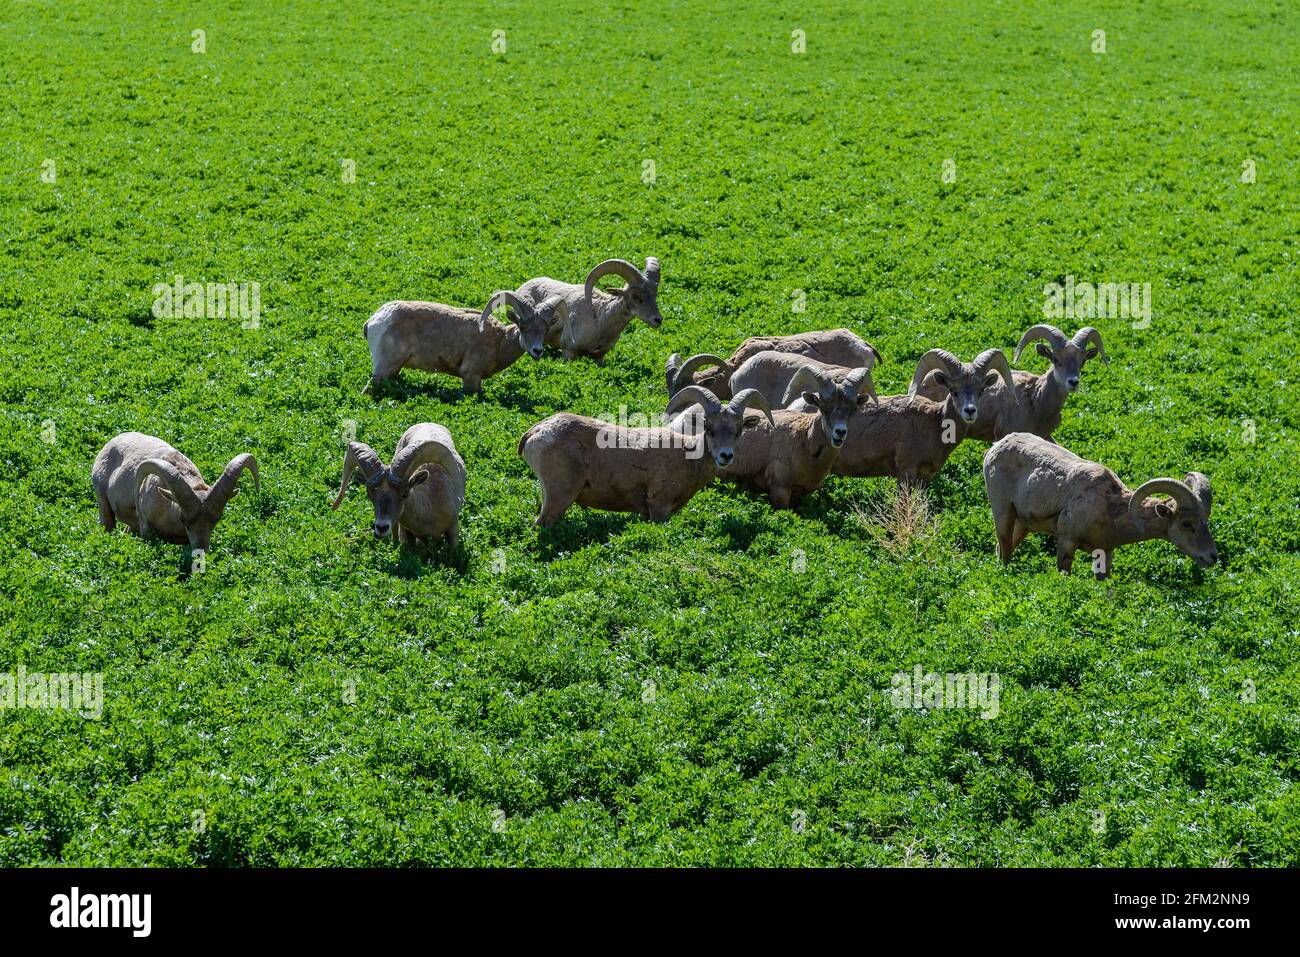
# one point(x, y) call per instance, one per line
point(156, 490)
point(791, 456)
point(595, 318)
point(835, 347)
point(419, 496)
point(1036, 406)
point(1035, 485)
point(652, 472)
point(909, 436)
point(461, 342)
point(771, 373)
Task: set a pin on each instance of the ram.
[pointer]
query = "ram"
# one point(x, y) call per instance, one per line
point(652, 472)
point(1037, 401)
point(461, 342)
point(595, 318)
point(791, 456)
point(909, 436)
point(419, 496)
point(155, 490)
point(1035, 485)
point(834, 347)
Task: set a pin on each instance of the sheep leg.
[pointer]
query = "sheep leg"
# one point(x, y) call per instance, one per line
point(472, 381)
point(1018, 533)
point(780, 497)
point(106, 516)
point(555, 502)
point(1065, 549)
point(1006, 524)
point(453, 533)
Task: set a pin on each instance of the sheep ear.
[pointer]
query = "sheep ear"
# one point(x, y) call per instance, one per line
point(419, 478)
point(167, 494)
point(1164, 510)
point(1090, 354)
point(1044, 350)
point(865, 400)
point(940, 378)
point(813, 399)
point(616, 291)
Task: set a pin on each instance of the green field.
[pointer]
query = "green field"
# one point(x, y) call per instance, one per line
point(615, 692)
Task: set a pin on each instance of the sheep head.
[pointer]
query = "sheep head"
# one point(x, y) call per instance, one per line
point(1067, 356)
point(682, 373)
point(723, 423)
point(640, 295)
point(200, 508)
point(965, 381)
point(388, 488)
point(835, 401)
point(531, 322)
point(1188, 514)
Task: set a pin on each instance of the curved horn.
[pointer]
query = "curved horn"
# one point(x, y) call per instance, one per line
point(1088, 334)
point(685, 372)
point(995, 360)
point(1175, 489)
point(652, 271)
point(747, 397)
point(807, 375)
point(690, 396)
point(224, 488)
point(934, 359)
point(1041, 331)
point(876, 355)
point(428, 452)
point(170, 476)
point(853, 382)
point(620, 267)
point(1200, 487)
point(359, 455)
point(502, 297)
point(552, 309)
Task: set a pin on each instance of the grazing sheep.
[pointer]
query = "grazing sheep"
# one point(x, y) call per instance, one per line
point(461, 342)
point(1036, 486)
point(835, 347)
point(1036, 406)
point(792, 456)
point(419, 496)
point(909, 436)
point(595, 318)
point(771, 373)
point(156, 490)
point(652, 472)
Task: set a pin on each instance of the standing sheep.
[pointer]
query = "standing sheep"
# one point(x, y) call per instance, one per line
point(1038, 400)
point(461, 342)
point(595, 318)
point(155, 490)
point(417, 498)
point(652, 472)
point(1035, 485)
point(911, 437)
point(835, 347)
point(791, 457)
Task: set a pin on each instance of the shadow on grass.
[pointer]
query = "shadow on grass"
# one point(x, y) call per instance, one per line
point(440, 389)
point(416, 561)
point(578, 528)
